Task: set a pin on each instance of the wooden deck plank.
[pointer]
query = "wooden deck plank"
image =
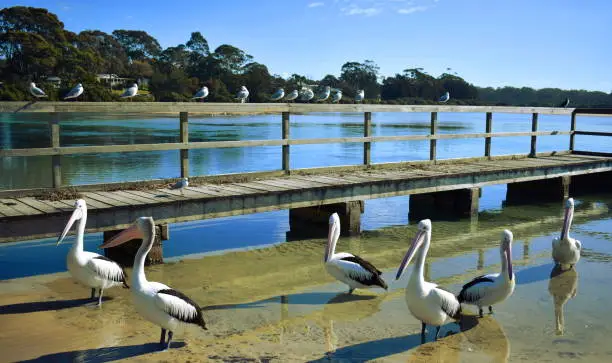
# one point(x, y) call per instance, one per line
point(141, 199)
point(239, 190)
point(101, 198)
point(45, 208)
point(210, 192)
point(312, 180)
point(333, 180)
point(155, 197)
point(7, 209)
point(259, 188)
point(63, 205)
point(160, 193)
point(189, 194)
point(296, 184)
point(271, 185)
point(22, 207)
point(132, 200)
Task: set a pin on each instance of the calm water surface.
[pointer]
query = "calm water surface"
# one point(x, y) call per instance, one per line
point(274, 301)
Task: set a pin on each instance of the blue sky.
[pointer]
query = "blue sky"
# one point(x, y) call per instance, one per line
point(536, 43)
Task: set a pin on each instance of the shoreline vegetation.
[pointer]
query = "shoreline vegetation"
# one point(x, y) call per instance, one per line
point(35, 47)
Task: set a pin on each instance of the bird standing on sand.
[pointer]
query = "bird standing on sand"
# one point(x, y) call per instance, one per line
point(280, 93)
point(243, 94)
point(181, 185)
point(130, 92)
point(75, 92)
point(337, 96)
point(360, 96)
point(292, 95)
point(37, 92)
point(444, 98)
point(201, 94)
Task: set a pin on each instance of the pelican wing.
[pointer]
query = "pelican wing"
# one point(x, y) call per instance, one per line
point(448, 302)
point(475, 289)
point(361, 271)
point(107, 269)
point(179, 306)
point(578, 244)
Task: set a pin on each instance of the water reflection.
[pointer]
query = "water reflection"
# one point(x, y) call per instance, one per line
point(563, 286)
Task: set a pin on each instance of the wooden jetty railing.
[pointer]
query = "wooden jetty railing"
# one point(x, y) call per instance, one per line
point(57, 108)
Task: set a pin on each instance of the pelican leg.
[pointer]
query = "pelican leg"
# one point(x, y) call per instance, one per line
point(480, 311)
point(169, 339)
point(437, 332)
point(490, 310)
point(93, 293)
point(162, 338)
point(422, 333)
point(100, 298)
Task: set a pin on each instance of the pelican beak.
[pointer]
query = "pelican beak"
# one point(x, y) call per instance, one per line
point(330, 237)
point(416, 243)
point(126, 235)
point(508, 253)
point(76, 215)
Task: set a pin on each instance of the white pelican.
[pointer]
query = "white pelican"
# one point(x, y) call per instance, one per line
point(170, 309)
point(307, 94)
point(348, 268)
point(89, 268)
point(491, 289)
point(292, 95)
point(337, 96)
point(566, 250)
point(201, 94)
point(181, 184)
point(280, 93)
point(75, 92)
point(37, 92)
point(130, 91)
point(325, 94)
point(360, 96)
point(243, 94)
point(426, 301)
point(444, 98)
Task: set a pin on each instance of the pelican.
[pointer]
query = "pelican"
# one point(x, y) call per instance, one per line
point(307, 94)
point(491, 289)
point(280, 93)
point(444, 98)
point(566, 250)
point(426, 301)
point(75, 92)
point(348, 268)
point(360, 96)
point(325, 94)
point(172, 310)
point(565, 103)
point(181, 185)
point(292, 95)
point(337, 96)
point(201, 94)
point(37, 92)
point(130, 92)
point(243, 94)
point(88, 268)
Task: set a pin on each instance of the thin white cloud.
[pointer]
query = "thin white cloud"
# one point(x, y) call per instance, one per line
point(412, 10)
point(355, 10)
point(316, 4)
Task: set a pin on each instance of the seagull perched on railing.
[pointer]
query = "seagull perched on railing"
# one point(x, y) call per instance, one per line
point(360, 96)
point(75, 92)
point(37, 92)
point(201, 94)
point(243, 94)
point(181, 185)
point(280, 93)
point(130, 92)
point(445, 97)
point(292, 95)
point(307, 94)
point(325, 94)
point(337, 96)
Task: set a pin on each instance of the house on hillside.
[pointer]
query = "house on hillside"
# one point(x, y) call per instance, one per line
point(112, 80)
point(54, 80)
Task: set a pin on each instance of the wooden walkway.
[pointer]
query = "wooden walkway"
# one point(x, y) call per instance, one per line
point(27, 218)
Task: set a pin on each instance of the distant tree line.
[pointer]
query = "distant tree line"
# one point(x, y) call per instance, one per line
point(35, 46)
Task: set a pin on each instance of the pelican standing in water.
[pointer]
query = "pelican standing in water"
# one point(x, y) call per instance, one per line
point(348, 268)
point(172, 310)
point(89, 268)
point(491, 289)
point(426, 301)
point(565, 249)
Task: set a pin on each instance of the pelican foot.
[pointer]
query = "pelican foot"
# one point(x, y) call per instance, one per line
point(422, 333)
point(162, 338)
point(437, 333)
point(169, 339)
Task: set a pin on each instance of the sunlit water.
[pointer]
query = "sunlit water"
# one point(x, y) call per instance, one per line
point(274, 301)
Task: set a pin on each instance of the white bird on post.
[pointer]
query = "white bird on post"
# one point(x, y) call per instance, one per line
point(181, 185)
point(243, 94)
point(201, 94)
point(130, 92)
point(75, 92)
point(37, 92)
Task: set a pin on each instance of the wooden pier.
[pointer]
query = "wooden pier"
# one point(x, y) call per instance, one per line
point(311, 194)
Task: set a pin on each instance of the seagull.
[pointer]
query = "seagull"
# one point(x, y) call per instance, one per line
point(307, 94)
point(37, 92)
point(243, 94)
point(565, 103)
point(181, 185)
point(444, 98)
point(360, 96)
point(325, 94)
point(130, 92)
point(337, 96)
point(201, 94)
point(280, 93)
point(292, 96)
point(75, 92)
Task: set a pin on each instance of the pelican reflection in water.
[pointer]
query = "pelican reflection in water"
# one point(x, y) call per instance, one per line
point(563, 285)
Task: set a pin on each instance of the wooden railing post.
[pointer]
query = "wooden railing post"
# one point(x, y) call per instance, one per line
point(55, 143)
point(184, 121)
point(534, 138)
point(434, 130)
point(572, 130)
point(489, 128)
point(367, 132)
point(285, 135)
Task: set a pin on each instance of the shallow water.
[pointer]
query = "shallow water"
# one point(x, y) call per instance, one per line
point(276, 303)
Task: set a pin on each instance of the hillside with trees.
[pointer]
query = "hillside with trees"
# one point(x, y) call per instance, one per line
point(35, 47)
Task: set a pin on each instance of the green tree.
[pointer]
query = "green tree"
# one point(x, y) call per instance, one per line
point(361, 76)
point(138, 44)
